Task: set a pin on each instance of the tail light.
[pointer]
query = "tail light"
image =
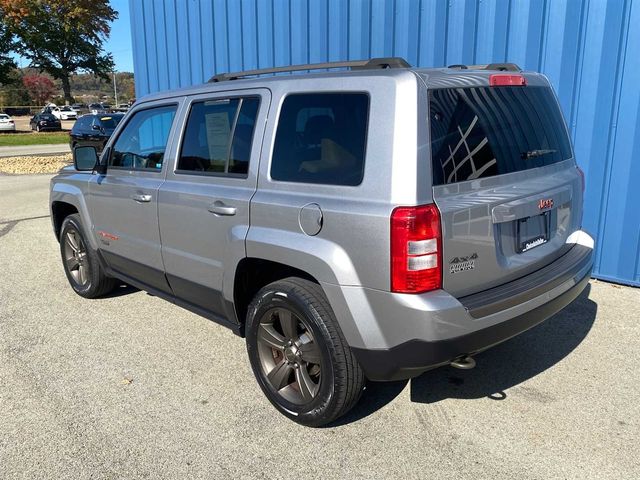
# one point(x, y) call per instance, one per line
point(416, 249)
point(11, 122)
point(581, 173)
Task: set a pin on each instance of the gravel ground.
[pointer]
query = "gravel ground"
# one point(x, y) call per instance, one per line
point(131, 386)
point(34, 163)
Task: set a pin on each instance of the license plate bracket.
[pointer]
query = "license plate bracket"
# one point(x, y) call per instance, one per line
point(532, 232)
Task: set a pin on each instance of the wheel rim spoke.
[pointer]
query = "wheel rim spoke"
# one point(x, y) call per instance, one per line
point(73, 241)
point(289, 324)
point(82, 274)
point(280, 375)
point(72, 264)
point(310, 352)
point(306, 385)
point(268, 335)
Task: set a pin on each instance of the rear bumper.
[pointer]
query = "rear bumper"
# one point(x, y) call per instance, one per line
point(440, 328)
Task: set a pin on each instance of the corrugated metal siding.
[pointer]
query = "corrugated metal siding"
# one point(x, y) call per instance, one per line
point(589, 51)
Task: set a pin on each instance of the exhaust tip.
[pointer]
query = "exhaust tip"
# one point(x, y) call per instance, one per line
point(464, 362)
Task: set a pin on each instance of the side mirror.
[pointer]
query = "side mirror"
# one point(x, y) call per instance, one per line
point(85, 158)
point(96, 127)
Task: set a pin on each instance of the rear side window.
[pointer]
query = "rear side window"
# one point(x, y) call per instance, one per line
point(485, 131)
point(142, 143)
point(218, 136)
point(321, 138)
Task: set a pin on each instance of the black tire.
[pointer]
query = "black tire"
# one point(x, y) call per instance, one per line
point(93, 282)
point(340, 377)
point(37, 128)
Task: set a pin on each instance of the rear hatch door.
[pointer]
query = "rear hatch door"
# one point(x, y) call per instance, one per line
point(504, 181)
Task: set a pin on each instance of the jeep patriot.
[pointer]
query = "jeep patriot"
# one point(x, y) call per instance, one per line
point(372, 222)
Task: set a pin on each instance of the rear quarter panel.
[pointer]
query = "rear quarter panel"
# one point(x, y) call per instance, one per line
point(352, 247)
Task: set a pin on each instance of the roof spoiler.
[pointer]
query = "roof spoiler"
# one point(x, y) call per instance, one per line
point(372, 64)
point(502, 67)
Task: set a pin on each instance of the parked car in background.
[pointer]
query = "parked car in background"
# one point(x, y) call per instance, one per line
point(93, 130)
point(45, 121)
point(64, 113)
point(6, 123)
point(98, 108)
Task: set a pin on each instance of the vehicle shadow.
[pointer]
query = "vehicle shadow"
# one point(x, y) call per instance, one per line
point(498, 369)
point(121, 290)
point(513, 362)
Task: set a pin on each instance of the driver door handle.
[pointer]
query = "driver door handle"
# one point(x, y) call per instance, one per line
point(220, 208)
point(141, 198)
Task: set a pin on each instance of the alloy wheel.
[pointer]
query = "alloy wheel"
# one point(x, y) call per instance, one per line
point(289, 356)
point(75, 257)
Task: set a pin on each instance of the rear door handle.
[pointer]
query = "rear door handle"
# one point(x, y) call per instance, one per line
point(143, 198)
point(219, 208)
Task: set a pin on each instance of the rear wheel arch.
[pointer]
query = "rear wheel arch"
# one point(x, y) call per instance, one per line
point(254, 273)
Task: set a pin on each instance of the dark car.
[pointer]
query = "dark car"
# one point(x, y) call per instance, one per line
point(44, 121)
point(94, 130)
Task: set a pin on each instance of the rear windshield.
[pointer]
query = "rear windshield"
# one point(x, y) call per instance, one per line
point(110, 123)
point(480, 132)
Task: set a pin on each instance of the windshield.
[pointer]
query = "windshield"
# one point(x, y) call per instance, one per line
point(480, 132)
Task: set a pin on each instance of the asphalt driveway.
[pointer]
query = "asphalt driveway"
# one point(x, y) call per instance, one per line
point(131, 386)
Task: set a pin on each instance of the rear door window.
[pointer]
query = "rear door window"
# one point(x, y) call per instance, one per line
point(218, 137)
point(480, 132)
point(321, 138)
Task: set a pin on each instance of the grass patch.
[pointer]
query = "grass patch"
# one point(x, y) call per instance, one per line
point(44, 138)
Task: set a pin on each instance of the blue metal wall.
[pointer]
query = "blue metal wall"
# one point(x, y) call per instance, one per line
point(589, 50)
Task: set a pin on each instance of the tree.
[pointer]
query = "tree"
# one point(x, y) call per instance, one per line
point(7, 65)
point(13, 91)
point(40, 88)
point(61, 37)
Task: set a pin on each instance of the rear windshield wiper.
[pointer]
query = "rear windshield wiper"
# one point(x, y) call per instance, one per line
point(535, 153)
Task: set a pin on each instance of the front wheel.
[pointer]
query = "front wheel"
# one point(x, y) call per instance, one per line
point(299, 355)
point(37, 128)
point(81, 264)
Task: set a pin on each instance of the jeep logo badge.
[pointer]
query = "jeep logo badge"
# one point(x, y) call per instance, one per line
point(545, 203)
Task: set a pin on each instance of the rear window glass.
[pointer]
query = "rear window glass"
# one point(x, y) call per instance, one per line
point(321, 138)
point(218, 136)
point(485, 131)
point(110, 122)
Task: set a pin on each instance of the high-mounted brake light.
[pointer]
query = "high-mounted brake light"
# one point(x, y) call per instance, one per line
point(507, 80)
point(416, 249)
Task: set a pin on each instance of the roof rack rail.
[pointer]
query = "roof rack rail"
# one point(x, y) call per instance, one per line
point(374, 63)
point(503, 67)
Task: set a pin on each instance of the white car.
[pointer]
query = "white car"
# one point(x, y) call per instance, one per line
point(6, 123)
point(64, 113)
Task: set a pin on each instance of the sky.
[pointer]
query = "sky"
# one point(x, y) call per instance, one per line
point(119, 42)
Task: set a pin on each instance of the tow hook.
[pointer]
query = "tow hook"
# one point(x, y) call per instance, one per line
point(464, 362)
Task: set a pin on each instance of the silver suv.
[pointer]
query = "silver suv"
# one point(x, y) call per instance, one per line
point(370, 223)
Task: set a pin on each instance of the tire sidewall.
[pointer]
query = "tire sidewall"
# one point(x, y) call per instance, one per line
point(73, 222)
point(267, 299)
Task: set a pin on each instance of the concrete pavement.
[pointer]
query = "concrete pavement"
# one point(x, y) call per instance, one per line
point(131, 386)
